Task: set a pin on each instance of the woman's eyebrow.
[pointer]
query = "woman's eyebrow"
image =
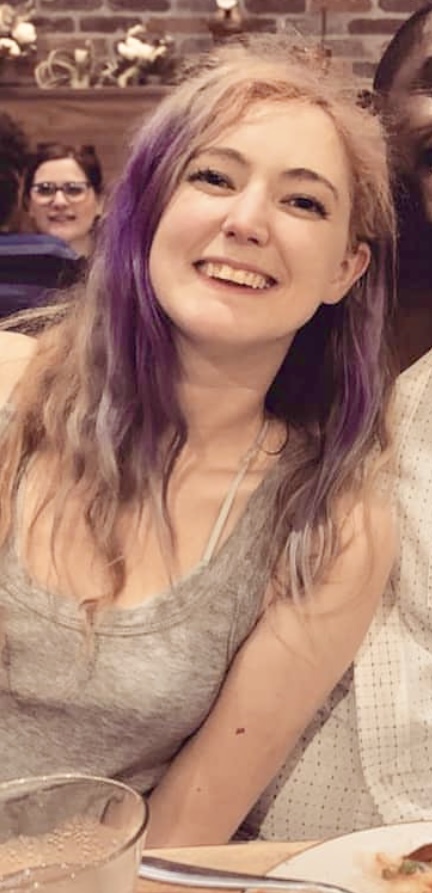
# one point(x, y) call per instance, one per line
point(306, 173)
point(294, 173)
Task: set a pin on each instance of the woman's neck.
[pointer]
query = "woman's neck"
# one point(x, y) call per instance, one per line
point(83, 246)
point(223, 398)
point(228, 433)
point(217, 416)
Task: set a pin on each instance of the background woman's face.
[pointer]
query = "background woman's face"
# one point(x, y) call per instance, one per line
point(410, 102)
point(70, 221)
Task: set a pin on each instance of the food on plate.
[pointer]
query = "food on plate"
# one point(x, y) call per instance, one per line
point(411, 873)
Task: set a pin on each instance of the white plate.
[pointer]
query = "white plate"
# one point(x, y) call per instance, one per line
point(350, 860)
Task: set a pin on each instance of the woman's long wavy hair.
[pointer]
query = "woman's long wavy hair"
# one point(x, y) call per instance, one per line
point(100, 394)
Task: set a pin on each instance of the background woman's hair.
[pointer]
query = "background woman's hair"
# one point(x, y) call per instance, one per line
point(85, 156)
point(101, 393)
point(14, 151)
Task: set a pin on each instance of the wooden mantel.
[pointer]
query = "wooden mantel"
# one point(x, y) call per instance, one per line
point(106, 117)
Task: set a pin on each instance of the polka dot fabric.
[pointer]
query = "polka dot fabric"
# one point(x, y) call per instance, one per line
point(367, 757)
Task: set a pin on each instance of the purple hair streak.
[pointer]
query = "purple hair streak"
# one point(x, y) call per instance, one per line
point(139, 396)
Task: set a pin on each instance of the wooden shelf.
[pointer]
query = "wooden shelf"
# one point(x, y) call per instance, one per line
point(106, 117)
point(27, 91)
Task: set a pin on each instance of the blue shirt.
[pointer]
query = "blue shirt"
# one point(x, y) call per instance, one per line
point(32, 265)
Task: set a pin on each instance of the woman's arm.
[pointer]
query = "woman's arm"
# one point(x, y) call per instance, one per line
point(279, 678)
point(15, 352)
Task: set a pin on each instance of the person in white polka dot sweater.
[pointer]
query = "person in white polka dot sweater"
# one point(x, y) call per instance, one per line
point(366, 759)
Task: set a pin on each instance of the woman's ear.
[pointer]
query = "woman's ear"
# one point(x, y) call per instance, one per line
point(99, 209)
point(352, 268)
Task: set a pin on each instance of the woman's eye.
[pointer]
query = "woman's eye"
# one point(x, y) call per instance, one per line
point(307, 204)
point(211, 177)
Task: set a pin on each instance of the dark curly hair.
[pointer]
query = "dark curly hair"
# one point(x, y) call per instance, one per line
point(399, 48)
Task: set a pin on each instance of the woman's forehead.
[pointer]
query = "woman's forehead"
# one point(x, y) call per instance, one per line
point(290, 113)
point(61, 167)
point(293, 135)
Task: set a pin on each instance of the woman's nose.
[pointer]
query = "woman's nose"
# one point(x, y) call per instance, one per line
point(247, 219)
point(59, 198)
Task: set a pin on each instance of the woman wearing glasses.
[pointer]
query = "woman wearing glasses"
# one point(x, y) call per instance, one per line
point(63, 192)
point(32, 265)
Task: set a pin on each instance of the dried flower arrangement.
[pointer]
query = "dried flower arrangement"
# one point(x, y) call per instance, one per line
point(76, 68)
point(138, 58)
point(17, 33)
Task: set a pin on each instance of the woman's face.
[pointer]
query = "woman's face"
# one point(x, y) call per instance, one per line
point(70, 220)
point(256, 236)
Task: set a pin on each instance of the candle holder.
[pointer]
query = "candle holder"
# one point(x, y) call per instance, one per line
point(227, 21)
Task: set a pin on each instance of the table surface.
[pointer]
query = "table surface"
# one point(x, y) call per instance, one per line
point(256, 857)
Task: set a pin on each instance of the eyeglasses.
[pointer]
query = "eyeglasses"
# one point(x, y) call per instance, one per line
point(43, 193)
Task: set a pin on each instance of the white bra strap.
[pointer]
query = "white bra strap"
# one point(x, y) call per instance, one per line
point(228, 502)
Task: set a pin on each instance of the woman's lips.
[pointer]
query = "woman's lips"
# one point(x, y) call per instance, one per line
point(225, 271)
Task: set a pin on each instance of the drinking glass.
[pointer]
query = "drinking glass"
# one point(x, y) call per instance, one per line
point(70, 833)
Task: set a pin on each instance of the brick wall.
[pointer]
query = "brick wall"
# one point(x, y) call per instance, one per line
point(357, 30)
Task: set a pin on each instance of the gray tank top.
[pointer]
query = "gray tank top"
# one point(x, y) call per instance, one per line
point(125, 707)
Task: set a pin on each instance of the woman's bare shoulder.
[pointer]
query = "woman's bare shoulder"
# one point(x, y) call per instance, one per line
point(15, 352)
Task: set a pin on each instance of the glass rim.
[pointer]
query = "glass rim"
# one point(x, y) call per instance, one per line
point(46, 781)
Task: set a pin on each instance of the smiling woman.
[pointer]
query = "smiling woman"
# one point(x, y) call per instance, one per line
point(63, 190)
point(201, 547)
point(266, 214)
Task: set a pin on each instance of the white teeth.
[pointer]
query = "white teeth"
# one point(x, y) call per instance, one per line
point(231, 274)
